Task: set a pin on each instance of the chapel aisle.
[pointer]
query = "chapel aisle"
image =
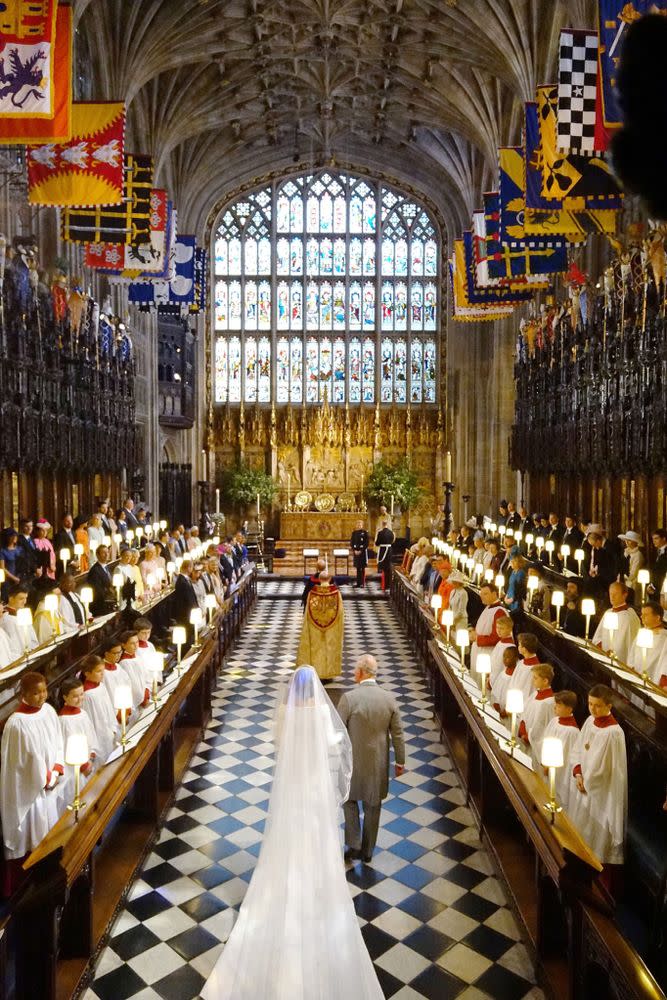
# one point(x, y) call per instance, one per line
point(433, 916)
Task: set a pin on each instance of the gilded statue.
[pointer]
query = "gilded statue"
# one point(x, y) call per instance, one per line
point(273, 441)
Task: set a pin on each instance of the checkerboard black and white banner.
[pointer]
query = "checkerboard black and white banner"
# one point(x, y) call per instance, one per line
point(577, 83)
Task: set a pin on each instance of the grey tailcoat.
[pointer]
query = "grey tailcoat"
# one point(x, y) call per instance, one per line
point(371, 716)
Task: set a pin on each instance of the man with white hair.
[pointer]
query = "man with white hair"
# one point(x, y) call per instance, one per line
point(372, 718)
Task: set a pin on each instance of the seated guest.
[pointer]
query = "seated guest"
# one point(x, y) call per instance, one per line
point(564, 726)
point(602, 569)
point(33, 762)
point(424, 553)
point(48, 624)
point(492, 558)
point(199, 586)
point(445, 587)
point(95, 536)
point(479, 551)
point(572, 620)
point(503, 680)
point(628, 625)
point(659, 567)
point(556, 529)
point(633, 558)
point(64, 539)
point(572, 536)
point(114, 673)
point(139, 589)
point(121, 522)
point(45, 548)
point(538, 710)
point(21, 638)
point(125, 567)
point(653, 661)
point(526, 522)
point(100, 578)
point(516, 587)
point(600, 803)
point(458, 601)
point(9, 558)
point(81, 536)
point(74, 720)
point(162, 547)
point(29, 563)
point(513, 520)
point(184, 598)
point(70, 608)
point(214, 575)
point(505, 630)
point(227, 567)
point(141, 678)
point(152, 565)
point(484, 635)
point(98, 706)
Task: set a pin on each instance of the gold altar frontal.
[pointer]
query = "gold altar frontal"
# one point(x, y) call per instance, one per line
point(313, 526)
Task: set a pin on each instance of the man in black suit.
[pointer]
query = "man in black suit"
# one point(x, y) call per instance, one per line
point(574, 538)
point(503, 513)
point(659, 568)
point(184, 598)
point(130, 519)
point(602, 569)
point(227, 568)
point(102, 512)
point(359, 545)
point(29, 563)
point(572, 620)
point(100, 579)
point(64, 539)
point(513, 517)
point(525, 521)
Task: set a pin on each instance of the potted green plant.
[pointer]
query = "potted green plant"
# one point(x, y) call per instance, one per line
point(397, 480)
point(241, 485)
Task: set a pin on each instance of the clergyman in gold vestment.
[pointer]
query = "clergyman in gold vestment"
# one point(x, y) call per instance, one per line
point(321, 643)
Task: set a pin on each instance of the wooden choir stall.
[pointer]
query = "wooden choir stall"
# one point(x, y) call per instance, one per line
point(581, 945)
point(80, 873)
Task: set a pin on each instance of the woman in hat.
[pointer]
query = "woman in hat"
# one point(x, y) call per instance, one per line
point(48, 555)
point(634, 557)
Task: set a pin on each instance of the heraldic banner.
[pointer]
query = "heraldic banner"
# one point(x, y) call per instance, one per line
point(88, 170)
point(35, 72)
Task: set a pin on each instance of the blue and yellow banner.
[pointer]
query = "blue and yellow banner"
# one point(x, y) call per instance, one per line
point(615, 17)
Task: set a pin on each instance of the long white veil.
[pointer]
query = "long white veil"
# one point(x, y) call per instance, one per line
point(297, 936)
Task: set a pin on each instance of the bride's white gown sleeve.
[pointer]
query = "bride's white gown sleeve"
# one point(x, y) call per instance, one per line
point(297, 935)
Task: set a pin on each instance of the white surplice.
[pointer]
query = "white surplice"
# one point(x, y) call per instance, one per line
point(624, 636)
point(141, 678)
point(17, 635)
point(600, 814)
point(97, 704)
point(32, 746)
point(497, 665)
point(653, 656)
point(537, 714)
point(75, 722)
point(567, 731)
point(485, 630)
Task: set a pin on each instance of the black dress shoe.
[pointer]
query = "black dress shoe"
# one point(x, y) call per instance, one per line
point(367, 858)
point(351, 855)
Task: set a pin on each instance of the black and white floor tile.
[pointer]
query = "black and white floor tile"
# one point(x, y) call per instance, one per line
point(433, 915)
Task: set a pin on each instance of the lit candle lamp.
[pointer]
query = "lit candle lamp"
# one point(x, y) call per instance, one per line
point(76, 755)
point(118, 581)
point(24, 622)
point(488, 575)
point(513, 707)
point(552, 757)
point(122, 702)
point(518, 535)
point(139, 533)
point(588, 611)
point(156, 527)
point(539, 544)
point(558, 601)
point(530, 538)
point(610, 624)
point(79, 550)
point(532, 583)
point(462, 641)
point(163, 525)
point(483, 668)
point(470, 565)
point(129, 536)
point(196, 618)
point(644, 642)
point(501, 531)
point(436, 604)
point(86, 597)
point(447, 619)
point(500, 583)
point(579, 555)
point(565, 554)
point(51, 608)
point(211, 604)
point(643, 579)
point(477, 572)
point(65, 555)
point(156, 668)
point(151, 581)
point(171, 570)
point(106, 540)
point(549, 546)
point(178, 638)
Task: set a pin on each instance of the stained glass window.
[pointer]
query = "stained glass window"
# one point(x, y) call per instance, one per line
point(326, 283)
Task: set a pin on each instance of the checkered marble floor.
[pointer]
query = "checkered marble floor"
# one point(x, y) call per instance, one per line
point(434, 917)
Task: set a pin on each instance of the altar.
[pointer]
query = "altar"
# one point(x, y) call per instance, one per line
point(316, 526)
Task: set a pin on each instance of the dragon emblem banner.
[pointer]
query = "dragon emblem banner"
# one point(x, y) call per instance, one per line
point(35, 72)
point(88, 170)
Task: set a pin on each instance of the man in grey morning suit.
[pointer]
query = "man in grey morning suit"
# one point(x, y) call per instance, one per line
point(371, 716)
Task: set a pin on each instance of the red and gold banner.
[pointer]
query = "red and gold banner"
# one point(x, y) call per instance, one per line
point(88, 170)
point(23, 77)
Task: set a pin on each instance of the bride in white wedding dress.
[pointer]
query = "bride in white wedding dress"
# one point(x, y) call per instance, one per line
point(297, 935)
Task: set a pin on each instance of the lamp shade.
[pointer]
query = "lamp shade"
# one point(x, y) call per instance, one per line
point(106, 540)
point(510, 532)
point(501, 530)
point(118, 579)
point(93, 545)
point(139, 532)
point(644, 638)
point(78, 549)
point(122, 698)
point(488, 575)
point(579, 555)
point(178, 635)
point(210, 601)
point(539, 542)
point(588, 607)
point(86, 595)
point(178, 562)
point(558, 598)
point(163, 525)
point(483, 663)
point(436, 602)
point(3, 575)
point(493, 528)
point(117, 537)
point(65, 555)
point(156, 527)
point(215, 540)
point(462, 638)
point(530, 538)
point(532, 583)
point(518, 535)
point(129, 535)
point(196, 616)
point(24, 617)
point(155, 662)
point(643, 576)
point(514, 701)
point(171, 568)
point(500, 580)
point(479, 569)
point(51, 603)
point(552, 752)
point(76, 750)
point(549, 545)
point(447, 617)
point(610, 621)
point(565, 551)
point(470, 564)
point(151, 581)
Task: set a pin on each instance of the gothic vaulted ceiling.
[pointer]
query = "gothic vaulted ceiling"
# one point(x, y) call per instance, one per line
point(224, 91)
